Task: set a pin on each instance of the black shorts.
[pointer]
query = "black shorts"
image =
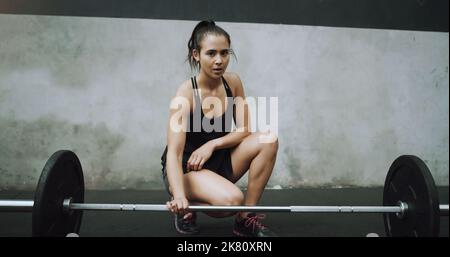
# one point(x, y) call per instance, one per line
point(219, 162)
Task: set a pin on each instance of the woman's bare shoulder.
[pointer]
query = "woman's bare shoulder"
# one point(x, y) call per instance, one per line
point(184, 89)
point(234, 81)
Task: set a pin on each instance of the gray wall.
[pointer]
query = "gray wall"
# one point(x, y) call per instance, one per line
point(350, 100)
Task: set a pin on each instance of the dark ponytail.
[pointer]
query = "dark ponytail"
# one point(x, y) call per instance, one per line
point(200, 31)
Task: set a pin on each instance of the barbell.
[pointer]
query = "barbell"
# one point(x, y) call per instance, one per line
point(410, 200)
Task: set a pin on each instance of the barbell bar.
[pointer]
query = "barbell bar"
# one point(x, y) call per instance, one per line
point(410, 200)
point(68, 205)
point(160, 207)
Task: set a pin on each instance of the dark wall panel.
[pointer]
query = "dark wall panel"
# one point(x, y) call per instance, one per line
point(422, 15)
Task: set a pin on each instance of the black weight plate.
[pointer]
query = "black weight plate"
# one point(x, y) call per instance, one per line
point(61, 178)
point(409, 180)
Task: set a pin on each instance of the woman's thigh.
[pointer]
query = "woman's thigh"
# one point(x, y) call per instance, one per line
point(209, 187)
point(243, 154)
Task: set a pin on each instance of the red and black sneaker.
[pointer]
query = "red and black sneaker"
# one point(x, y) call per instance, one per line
point(186, 224)
point(251, 226)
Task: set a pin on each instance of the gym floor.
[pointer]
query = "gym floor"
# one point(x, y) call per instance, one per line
point(160, 224)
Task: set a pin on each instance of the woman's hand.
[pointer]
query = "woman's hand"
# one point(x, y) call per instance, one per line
point(178, 205)
point(200, 156)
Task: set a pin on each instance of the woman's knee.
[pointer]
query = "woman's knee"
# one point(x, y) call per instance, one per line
point(235, 197)
point(231, 198)
point(268, 142)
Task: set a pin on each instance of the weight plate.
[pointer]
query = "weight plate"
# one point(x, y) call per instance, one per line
point(61, 178)
point(409, 180)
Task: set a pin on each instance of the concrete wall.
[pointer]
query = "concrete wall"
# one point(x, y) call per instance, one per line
point(350, 100)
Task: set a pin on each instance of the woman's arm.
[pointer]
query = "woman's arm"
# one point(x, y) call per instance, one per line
point(176, 137)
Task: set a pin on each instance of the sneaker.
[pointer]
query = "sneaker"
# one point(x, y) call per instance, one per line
point(186, 224)
point(251, 226)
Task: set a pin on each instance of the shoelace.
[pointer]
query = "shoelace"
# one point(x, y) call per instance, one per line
point(254, 220)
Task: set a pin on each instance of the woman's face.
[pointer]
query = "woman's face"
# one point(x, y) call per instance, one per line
point(214, 55)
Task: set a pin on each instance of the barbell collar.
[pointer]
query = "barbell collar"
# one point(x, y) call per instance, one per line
point(443, 209)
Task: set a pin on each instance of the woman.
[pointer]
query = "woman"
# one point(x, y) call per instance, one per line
point(201, 165)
